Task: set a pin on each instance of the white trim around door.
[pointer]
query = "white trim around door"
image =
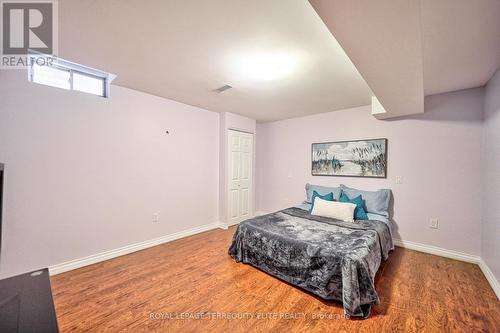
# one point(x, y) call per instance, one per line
point(239, 176)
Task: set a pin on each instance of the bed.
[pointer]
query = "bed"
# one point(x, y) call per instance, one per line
point(333, 259)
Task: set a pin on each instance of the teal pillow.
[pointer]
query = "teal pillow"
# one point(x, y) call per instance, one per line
point(359, 212)
point(328, 197)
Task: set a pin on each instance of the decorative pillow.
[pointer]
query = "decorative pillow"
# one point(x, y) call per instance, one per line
point(359, 212)
point(376, 202)
point(322, 190)
point(328, 197)
point(343, 211)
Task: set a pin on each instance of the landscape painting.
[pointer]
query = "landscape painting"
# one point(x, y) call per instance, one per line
point(361, 158)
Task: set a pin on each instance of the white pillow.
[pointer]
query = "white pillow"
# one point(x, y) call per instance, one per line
point(336, 210)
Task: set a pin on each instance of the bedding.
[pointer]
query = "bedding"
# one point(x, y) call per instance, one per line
point(359, 213)
point(377, 217)
point(377, 202)
point(343, 211)
point(371, 216)
point(333, 259)
point(322, 190)
point(328, 197)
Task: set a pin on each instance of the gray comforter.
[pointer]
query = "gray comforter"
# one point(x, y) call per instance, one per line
point(333, 259)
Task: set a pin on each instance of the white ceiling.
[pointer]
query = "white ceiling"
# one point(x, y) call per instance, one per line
point(382, 38)
point(406, 49)
point(183, 50)
point(461, 43)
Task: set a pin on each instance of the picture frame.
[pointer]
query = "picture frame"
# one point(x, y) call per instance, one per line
point(352, 158)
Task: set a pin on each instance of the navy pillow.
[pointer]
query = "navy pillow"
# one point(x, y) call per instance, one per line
point(359, 212)
point(328, 197)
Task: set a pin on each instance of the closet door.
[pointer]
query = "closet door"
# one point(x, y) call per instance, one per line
point(240, 153)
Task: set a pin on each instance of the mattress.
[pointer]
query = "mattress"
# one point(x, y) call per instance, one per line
point(333, 259)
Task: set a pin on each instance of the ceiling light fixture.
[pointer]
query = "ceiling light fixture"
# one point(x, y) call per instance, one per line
point(265, 66)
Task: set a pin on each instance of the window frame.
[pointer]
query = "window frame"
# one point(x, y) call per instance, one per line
point(103, 80)
point(41, 59)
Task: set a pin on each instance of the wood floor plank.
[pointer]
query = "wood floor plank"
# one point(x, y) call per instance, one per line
point(164, 288)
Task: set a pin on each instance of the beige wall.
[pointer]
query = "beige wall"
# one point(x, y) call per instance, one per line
point(84, 174)
point(437, 154)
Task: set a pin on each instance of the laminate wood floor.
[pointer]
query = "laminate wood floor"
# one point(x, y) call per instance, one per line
point(192, 285)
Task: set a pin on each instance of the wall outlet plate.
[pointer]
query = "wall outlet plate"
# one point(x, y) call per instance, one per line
point(434, 223)
point(156, 218)
point(399, 180)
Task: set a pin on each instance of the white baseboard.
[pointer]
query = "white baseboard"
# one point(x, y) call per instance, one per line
point(437, 251)
point(95, 258)
point(77, 263)
point(224, 225)
point(227, 225)
point(490, 277)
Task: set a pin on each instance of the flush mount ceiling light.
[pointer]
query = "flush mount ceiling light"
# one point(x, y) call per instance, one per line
point(265, 66)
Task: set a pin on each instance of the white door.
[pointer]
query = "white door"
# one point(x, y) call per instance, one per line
point(240, 151)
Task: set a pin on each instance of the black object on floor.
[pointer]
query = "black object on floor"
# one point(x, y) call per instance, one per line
point(26, 304)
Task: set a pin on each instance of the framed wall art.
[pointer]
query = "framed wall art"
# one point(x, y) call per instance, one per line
point(359, 158)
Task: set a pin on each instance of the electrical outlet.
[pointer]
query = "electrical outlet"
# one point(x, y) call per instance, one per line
point(156, 218)
point(434, 223)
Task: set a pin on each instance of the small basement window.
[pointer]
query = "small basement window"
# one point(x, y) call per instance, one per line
point(60, 73)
